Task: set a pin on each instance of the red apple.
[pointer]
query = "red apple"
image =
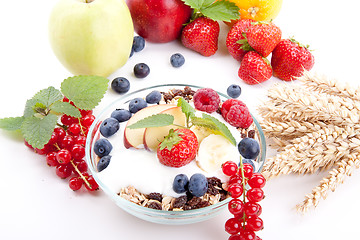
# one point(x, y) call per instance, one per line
point(159, 21)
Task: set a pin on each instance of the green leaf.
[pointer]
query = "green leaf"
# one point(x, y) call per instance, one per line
point(30, 107)
point(171, 139)
point(221, 11)
point(65, 108)
point(37, 131)
point(203, 122)
point(85, 91)
point(222, 129)
point(156, 120)
point(48, 96)
point(186, 108)
point(11, 123)
point(195, 4)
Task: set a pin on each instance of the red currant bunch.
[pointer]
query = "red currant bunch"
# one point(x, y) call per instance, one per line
point(244, 206)
point(66, 150)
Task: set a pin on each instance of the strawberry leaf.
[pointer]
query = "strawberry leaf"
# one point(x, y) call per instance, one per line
point(156, 120)
point(11, 123)
point(170, 140)
point(221, 11)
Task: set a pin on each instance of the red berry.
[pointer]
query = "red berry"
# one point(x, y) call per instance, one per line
point(81, 165)
point(60, 133)
point(247, 235)
point(75, 183)
point(255, 223)
point(235, 190)
point(239, 116)
point(65, 99)
point(74, 129)
point(229, 168)
point(54, 138)
point(225, 107)
point(236, 206)
point(235, 179)
point(28, 145)
point(254, 68)
point(252, 209)
point(93, 184)
point(87, 120)
point(85, 112)
point(84, 131)
point(248, 170)
point(232, 226)
point(67, 142)
point(64, 170)
point(257, 181)
point(234, 237)
point(68, 120)
point(51, 159)
point(255, 194)
point(63, 156)
point(207, 100)
point(46, 149)
point(81, 140)
point(78, 152)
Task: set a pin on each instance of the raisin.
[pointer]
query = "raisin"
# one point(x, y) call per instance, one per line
point(155, 196)
point(243, 135)
point(187, 207)
point(180, 202)
point(202, 204)
point(194, 201)
point(155, 205)
point(251, 134)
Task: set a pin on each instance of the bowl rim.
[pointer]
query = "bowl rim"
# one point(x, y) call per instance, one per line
point(174, 214)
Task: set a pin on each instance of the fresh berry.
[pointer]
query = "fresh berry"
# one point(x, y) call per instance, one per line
point(255, 194)
point(225, 107)
point(138, 43)
point(75, 183)
point(234, 237)
point(232, 226)
point(233, 91)
point(109, 127)
point(81, 140)
point(87, 120)
point(257, 181)
point(68, 120)
point(239, 116)
point(92, 184)
point(131, 52)
point(81, 165)
point(207, 100)
point(249, 148)
point(235, 179)
point(252, 209)
point(201, 35)
point(141, 70)
point(248, 170)
point(153, 97)
point(198, 185)
point(229, 168)
point(249, 161)
point(78, 152)
point(254, 223)
point(85, 112)
point(60, 132)
point(254, 68)
point(67, 142)
point(103, 163)
point(236, 190)
point(51, 159)
point(63, 156)
point(102, 147)
point(247, 235)
point(178, 148)
point(236, 206)
point(74, 129)
point(290, 58)
point(177, 60)
point(121, 115)
point(180, 184)
point(64, 170)
point(120, 85)
point(237, 50)
point(263, 37)
point(137, 104)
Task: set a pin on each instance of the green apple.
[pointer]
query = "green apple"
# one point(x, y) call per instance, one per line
point(91, 37)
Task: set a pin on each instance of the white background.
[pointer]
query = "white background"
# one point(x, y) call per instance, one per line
point(36, 204)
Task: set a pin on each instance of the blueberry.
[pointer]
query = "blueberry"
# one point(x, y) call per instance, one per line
point(249, 161)
point(177, 60)
point(131, 53)
point(180, 183)
point(109, 127)
point(138, 43)
point(198, 185)
point(141, 70)
point(234, 91)
point(103, 163)
point(249, 148)
point(153, 97)
point(121, 115)
point(102, 147)
point(120, 85)
point(137, 104)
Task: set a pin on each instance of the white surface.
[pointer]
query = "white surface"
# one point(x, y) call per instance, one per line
point(36, 204)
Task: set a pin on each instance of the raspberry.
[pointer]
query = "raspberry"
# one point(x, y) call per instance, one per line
point(239, 116)
point(228, 104)
point(207, 100)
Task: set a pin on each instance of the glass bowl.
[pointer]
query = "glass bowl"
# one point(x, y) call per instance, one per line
point(148, 214)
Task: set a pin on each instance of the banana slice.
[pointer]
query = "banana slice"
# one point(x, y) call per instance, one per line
point(201, 132)
point(214, 150)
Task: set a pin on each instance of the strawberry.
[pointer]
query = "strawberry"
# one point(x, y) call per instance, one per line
point(236, 33)
point(263, 37)
point(289, 60)
point(201, 35)
point(254, 68)
point(178, 148)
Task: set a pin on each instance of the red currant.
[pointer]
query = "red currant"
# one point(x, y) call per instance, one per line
point(84, 131)
point(51, 159)
point(257, 181)
point(60, 133)
point(75, 183)
point(257, 238)
point(81, 165)
point(65, 99)
point(78, 152)
point(236, 206)
point(235, 190)
point(234, 237)
point(255, 194)
point(232, 226)
point(235, 179)
point(64, 170)
point(74, 129)
point(67, 142)
point(81, 140)
point(28, 145)
point(248, 170)
point(229, 168)
point(54, 138)
point(255, 223)
point(252, 209)
point(63, 156)
point(68, 120)
point(247, 235)
point(85, 112)
point(93, 184)
point(46, 149)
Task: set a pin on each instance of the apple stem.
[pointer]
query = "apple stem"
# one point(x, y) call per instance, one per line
point(88, 1)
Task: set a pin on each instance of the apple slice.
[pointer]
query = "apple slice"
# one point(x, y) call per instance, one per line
point(153, 136)
point(135, 137)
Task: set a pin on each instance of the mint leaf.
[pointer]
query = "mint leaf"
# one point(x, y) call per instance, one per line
point(37, 131)
point(48, 96)
point(203, 122)
point(186, 108)
point(65, 108)
point(11, 123)
point(222, 129)
point(30, 107)
point(85, 91)
point(156, 120)
point(221, 11)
